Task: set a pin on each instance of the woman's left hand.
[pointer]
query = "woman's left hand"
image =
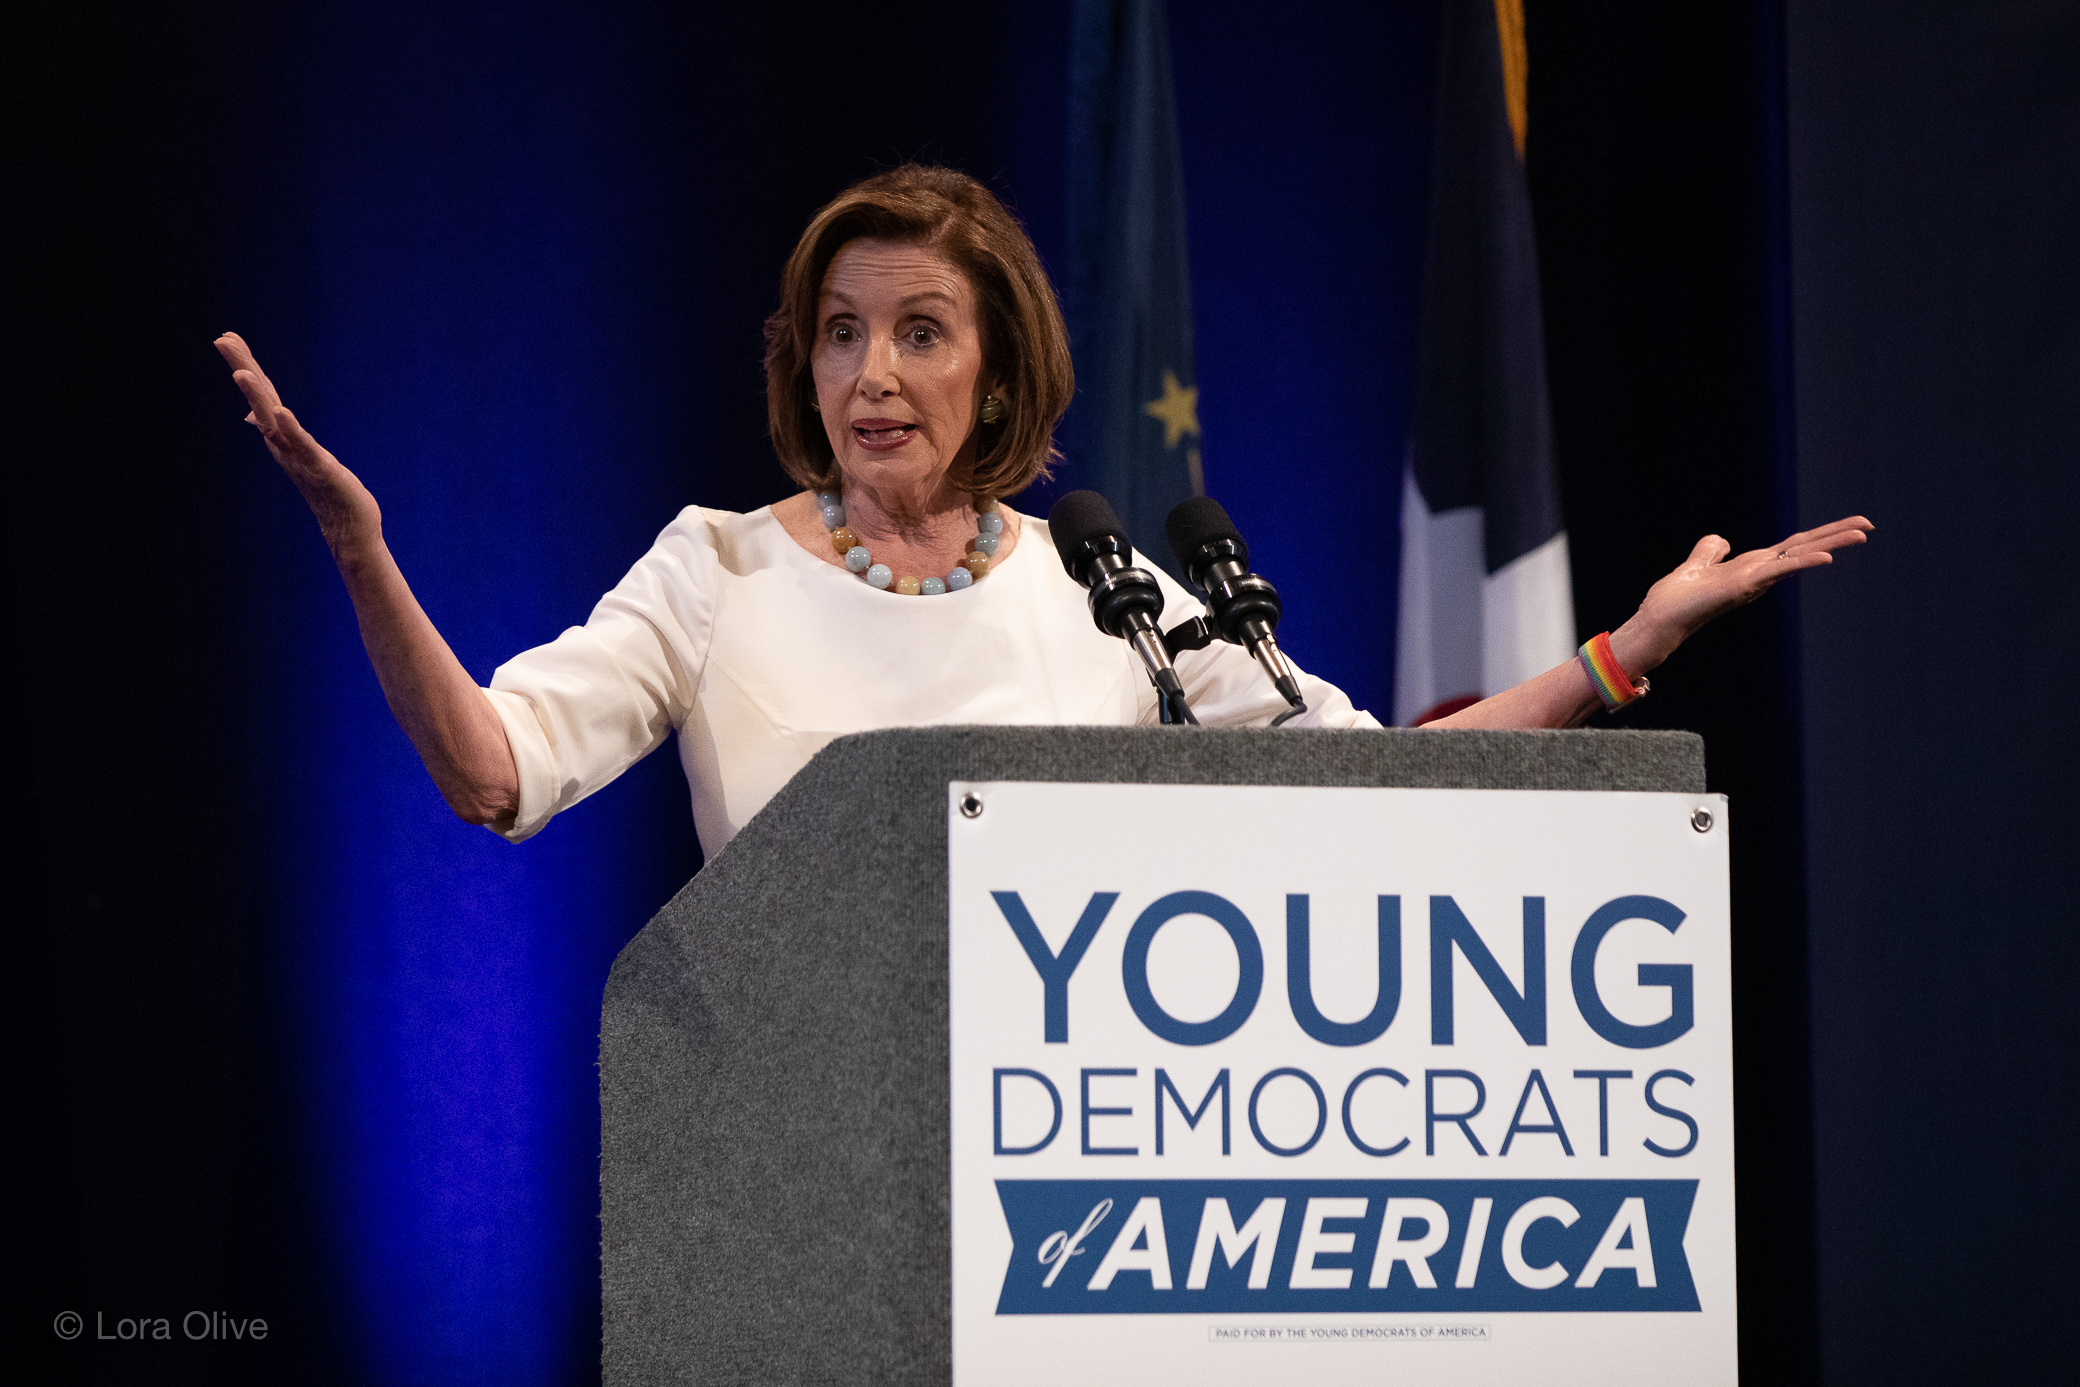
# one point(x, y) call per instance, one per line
point(1710, 584)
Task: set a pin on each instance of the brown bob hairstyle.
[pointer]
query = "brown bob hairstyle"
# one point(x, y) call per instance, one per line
point(1024, 344)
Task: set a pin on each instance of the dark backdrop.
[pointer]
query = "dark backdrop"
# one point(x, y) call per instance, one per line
point(299, 1045)
point(1936, 201)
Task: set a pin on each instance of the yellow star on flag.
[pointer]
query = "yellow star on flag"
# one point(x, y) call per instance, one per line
point(1178, 409)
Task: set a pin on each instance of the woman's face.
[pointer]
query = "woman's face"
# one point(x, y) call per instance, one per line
point(898, 364)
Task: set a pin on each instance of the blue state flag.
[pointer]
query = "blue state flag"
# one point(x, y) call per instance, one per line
point(1486, 600)
point(1134, 431)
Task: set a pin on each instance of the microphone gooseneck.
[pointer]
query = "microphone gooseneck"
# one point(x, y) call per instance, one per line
point(1244, 606)
point(1124, 600)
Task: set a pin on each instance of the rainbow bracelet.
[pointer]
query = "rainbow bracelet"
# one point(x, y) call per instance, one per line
point(1612, 684)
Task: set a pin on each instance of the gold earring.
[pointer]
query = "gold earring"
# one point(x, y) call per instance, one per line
point(992, 409)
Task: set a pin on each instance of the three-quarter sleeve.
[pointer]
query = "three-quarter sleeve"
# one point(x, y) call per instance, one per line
point(597, 699)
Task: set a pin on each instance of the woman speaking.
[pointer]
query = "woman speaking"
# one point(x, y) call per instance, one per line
point(915, 371)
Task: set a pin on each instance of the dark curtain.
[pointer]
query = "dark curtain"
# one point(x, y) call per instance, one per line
point(1936, 216)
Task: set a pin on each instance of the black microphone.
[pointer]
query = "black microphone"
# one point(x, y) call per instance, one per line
point(1124, 600)
point(1244, 605)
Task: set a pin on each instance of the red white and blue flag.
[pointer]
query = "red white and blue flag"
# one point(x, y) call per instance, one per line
point(1486, 600)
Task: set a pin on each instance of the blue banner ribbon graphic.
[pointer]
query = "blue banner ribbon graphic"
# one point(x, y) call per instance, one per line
point(1138, 1247)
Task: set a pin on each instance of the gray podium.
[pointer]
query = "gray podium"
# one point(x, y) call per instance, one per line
point(773, 1051)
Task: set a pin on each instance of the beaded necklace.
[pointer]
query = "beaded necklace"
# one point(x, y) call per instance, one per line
point(982, 551)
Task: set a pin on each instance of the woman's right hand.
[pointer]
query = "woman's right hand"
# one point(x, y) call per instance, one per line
point(449, 719)
point(346, 511)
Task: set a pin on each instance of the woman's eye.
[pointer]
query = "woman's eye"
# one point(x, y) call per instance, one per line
point(843, 335)
point(923, 336)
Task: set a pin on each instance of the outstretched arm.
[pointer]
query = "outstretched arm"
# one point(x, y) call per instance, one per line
point(1708, 585)
point(450, 721)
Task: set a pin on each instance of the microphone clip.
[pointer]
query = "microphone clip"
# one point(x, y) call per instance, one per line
point(1196, 634)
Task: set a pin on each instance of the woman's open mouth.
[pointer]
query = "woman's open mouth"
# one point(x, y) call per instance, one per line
point(883, 434)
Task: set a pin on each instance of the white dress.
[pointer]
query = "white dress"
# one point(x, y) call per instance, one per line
point(759, 653)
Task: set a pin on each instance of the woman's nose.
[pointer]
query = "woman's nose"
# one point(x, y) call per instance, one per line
point(878, 373)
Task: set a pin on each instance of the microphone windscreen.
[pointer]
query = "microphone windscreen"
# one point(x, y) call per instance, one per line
point(1198, 522)
point(1076, 519)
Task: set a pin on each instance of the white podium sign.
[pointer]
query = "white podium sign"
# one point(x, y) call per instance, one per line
point(1256, 1084)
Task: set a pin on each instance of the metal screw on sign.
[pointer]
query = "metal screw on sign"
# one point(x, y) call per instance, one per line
point(971, 807)
point(1700, 819)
